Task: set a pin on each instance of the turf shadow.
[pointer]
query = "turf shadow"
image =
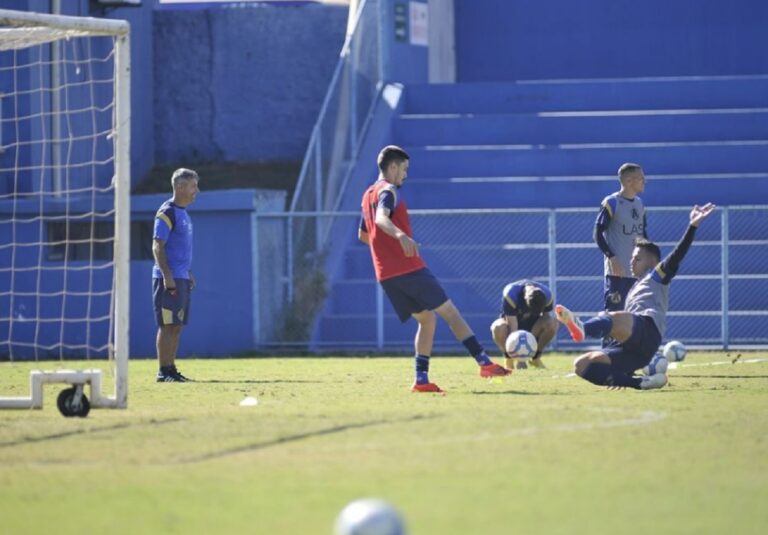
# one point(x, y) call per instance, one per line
point(75, 432)
point(512, 393)
point(254, 381)
point(296, 438)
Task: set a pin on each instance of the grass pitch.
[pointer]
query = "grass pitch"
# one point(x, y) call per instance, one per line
point(539, 452)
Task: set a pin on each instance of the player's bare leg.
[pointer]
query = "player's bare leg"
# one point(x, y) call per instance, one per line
point(455, 320)
point(463, 333)
point(499, 333)
point(423, 341)
point(167, 343)
point(425, 333)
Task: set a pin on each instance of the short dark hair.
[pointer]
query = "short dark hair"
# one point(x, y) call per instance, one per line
point(649, 246)
point(628, 169)
point(389, 154)
point(535, 299)
point(183, 174)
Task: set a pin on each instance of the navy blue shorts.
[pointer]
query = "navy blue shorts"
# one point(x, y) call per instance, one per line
point(639, 348)
point(615, 292)
point(414, 292)
point(171, 308)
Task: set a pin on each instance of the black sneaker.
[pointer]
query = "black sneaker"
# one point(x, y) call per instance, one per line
point(181, 378)
point(170, 374)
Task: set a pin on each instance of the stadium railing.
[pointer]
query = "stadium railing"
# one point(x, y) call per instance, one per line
point(335, 140)
point(716, 300)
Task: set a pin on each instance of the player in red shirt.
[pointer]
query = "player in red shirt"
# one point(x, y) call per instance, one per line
point(403, 274)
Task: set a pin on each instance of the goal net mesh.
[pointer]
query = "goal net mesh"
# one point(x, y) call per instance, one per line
point(57, 193)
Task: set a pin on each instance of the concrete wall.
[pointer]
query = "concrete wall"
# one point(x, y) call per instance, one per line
point(242, 83)
point(518, 39)
point(230, 310)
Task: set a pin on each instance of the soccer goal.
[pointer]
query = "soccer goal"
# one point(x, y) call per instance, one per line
point(64, 207)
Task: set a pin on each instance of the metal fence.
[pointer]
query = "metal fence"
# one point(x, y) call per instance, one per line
point(331, 302)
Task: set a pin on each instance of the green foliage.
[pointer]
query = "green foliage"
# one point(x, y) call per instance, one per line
point(539, 452)
point(310, 290)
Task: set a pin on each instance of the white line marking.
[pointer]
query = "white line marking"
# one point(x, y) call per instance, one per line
point(676, 365)
point(643, 418)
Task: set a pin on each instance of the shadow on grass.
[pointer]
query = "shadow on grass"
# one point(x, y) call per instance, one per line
point(298, 437)
point(254, 381)
point(516, 393)
point(75, 432)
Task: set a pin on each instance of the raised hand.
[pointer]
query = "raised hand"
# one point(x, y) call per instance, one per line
point(700, 213)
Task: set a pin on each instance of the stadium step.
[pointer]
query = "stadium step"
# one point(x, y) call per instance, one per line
point(581, 191)
point(574, 95)
point(554, 128)
point(588, 159)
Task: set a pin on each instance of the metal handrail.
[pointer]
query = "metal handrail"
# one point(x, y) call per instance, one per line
point(315, 136)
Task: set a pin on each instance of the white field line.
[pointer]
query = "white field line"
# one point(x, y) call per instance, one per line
point(643, 418)
point(676, 365)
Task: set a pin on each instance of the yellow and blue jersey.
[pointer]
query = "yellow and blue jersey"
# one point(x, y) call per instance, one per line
point(513, 302)
point(174, 226)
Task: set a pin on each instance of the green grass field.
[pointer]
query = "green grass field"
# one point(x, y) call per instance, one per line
point(539, 452)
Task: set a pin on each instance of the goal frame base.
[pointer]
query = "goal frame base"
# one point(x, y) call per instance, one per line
point(38, 378)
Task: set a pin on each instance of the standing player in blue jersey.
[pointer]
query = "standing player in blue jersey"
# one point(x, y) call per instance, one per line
point(621, 220)
point(638, 330)
point(526, 305)
point(172, 278)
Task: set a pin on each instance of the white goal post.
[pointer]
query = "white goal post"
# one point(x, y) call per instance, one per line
point(65, 202)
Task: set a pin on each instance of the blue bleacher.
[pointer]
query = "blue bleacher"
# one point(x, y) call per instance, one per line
point(557, 144)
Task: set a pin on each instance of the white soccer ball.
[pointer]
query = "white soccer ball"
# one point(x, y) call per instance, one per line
point(521, 344)
point(674, 351)
point(369, 516)
point(658, 364)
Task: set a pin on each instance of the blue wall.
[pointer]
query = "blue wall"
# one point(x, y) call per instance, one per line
point(242, 83)
point(517, 40)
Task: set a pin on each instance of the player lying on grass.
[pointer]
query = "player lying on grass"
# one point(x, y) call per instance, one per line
point(526, 305)
point(638, 329)
point(403, 274)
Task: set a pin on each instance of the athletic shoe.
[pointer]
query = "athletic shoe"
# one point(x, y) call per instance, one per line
point(184, 378)
point(509, 362)
point(426, 387)
point(574, 325)
point(171, 375)
point(649, 382)
point(536, 363)
point(493, 370)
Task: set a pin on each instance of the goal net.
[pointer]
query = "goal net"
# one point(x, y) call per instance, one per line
point(64, 200)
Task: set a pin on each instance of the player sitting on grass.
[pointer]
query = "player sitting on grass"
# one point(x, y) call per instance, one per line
point(638, 330)
point(526, 305)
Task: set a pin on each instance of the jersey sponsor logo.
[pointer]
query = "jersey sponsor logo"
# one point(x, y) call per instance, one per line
point(632, 230)
point(635, 214)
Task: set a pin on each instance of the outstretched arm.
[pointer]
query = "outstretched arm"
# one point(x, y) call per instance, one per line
point(671, 263)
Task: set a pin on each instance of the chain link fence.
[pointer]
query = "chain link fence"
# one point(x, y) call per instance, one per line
point(327, 299)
